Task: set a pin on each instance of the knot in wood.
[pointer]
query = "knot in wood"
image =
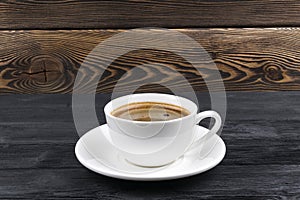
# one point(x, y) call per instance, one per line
point(274, 73)
point(45, 70)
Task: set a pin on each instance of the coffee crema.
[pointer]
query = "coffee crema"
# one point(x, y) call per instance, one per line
point(150, 111)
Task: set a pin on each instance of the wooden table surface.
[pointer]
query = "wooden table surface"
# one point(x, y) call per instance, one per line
point(261, 132)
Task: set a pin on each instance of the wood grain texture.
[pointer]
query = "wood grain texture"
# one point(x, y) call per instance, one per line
point(247, 59)
point(58, 150)
point(91, 14)
point(37, 160)
point(223, 182)
point(264, 135)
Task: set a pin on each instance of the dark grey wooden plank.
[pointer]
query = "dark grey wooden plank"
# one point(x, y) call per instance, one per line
point(42, 108)
point(65, 132)
point(37, 133)
point(265, 106)
point(35, 156)
point(147, 13)
point(37, 161)
point(222, 182)
point(241, 106)
point(248, 143)
point(239, 152)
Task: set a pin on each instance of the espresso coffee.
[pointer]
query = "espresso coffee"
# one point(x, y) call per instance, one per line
point(150, 111)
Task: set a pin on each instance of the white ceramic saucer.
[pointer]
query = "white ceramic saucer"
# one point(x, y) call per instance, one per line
point(95, 152)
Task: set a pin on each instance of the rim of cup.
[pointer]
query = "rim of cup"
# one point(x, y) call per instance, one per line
point(192, 112)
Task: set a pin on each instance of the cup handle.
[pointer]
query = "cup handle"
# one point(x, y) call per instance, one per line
point(213, 130)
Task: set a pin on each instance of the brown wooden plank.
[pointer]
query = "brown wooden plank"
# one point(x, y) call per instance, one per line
point(249, 59)
point(147, 13)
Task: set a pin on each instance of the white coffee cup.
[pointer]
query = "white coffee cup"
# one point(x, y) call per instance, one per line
point(155, 143)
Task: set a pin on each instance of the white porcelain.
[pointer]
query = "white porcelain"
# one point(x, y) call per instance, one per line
point(155, 143)
point(95, 152)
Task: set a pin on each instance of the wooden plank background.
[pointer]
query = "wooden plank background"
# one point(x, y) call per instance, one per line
point(37, 159)
point(33, 60)
point(89, 14)
point(41, 61)
point(255, 45)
